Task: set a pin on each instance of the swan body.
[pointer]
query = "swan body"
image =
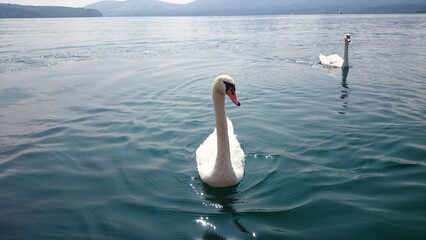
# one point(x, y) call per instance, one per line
point(335, 60)
point(220, 159)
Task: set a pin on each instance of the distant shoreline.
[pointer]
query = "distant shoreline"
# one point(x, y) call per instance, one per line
point(14, 11)
point(22, 11)
point(241, 15)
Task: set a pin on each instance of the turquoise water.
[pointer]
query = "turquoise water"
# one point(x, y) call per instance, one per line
point(100, 119)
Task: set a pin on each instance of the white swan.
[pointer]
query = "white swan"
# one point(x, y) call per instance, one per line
point(220, 159)
point(335, 60)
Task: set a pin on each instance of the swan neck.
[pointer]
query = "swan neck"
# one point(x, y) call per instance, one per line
point(346, 55)
point(223, 154)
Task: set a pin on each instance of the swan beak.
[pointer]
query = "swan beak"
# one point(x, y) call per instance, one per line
point(233, 96)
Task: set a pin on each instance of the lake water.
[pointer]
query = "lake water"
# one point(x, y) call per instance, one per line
point(100, 119)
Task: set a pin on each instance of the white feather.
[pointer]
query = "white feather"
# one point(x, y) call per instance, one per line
point(331, 60)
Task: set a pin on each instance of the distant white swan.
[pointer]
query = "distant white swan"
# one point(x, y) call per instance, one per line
point(220, 159)
point(335, 60)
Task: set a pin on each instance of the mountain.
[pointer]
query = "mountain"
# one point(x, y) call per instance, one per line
point(20, 11)
point(255, 7)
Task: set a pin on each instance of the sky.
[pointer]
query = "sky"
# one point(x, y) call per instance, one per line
point(68, 3)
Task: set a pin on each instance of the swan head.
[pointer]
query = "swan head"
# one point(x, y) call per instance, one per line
point(347, 37)
point(224, 84)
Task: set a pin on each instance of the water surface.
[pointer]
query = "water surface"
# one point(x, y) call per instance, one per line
point(100, 119)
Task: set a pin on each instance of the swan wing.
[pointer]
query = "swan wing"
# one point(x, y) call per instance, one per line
point(323, 59)
point(207, 150)
point(331, 60)
point(206, 155)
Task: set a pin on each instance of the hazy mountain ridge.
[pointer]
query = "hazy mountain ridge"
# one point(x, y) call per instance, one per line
point(21, 11)
point(249, 7)
point(135, 8)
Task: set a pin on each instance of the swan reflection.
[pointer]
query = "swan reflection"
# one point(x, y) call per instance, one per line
point(222, 199)
point(344, 93)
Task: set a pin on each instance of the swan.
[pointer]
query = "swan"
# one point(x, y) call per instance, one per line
point(335, 60)
point(220, 159)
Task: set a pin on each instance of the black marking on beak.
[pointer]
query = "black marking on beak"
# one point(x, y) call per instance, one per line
point(229, 85)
